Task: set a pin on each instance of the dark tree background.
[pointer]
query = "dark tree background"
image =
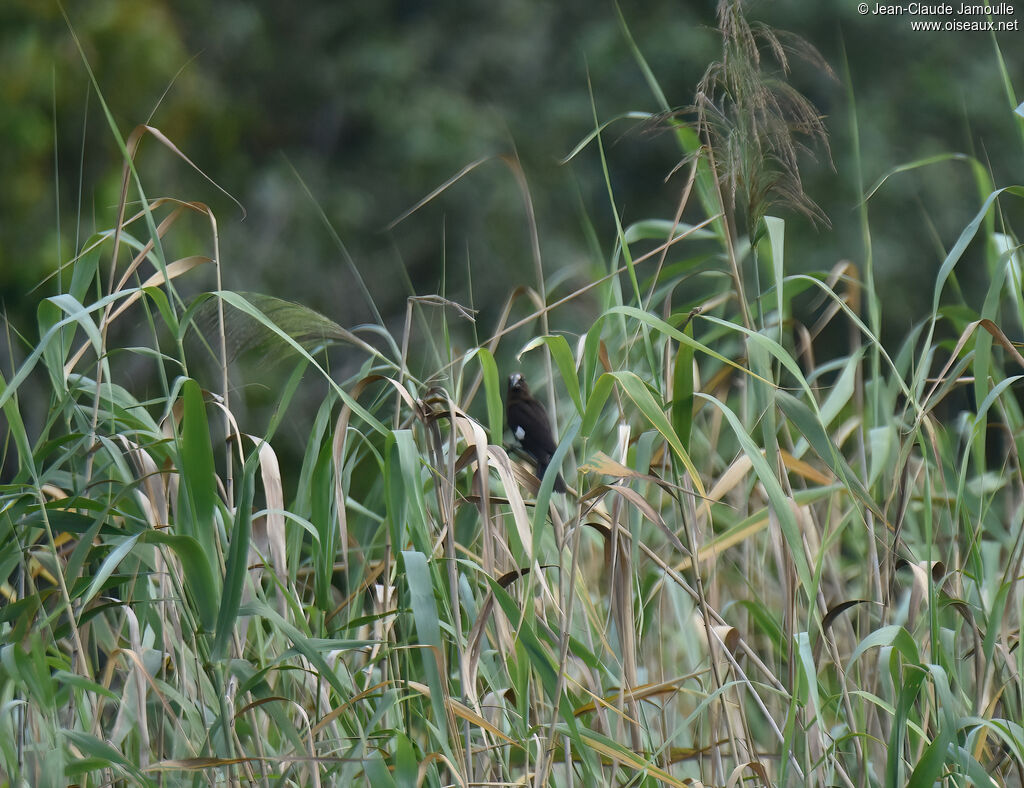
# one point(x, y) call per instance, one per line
point(370, 106)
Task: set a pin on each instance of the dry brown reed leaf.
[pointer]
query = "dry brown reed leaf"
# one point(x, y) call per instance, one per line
point(988, 707)
point(922, 573)
point(463, 711)
point(758, 768)
point(154, 482)
point(132, 144)
point(804, 469)
point(612, 704)
point(636, 760)
point(499, 460)
point(475, 639)
point(723, 635)
point(172, 271)
point(159, 497)
point(833, 613)
point(438, 191)
point(202, 764)
point(137, 664)
point(997, 334)
point(602, 464)
point(719, 545)
point(733, 476)
point(273, 524)
point(52, 492)
point(474, 436)
point(337, 711)
point(643, 692)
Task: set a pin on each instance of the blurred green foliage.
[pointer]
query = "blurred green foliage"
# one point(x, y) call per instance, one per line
point(370, 106)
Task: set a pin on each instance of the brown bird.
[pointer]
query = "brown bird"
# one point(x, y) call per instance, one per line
point(529, 422)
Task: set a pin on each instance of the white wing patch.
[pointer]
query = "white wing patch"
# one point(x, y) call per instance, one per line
point(520, 433)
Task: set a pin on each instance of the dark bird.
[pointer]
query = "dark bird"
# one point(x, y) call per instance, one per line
point(529, 422)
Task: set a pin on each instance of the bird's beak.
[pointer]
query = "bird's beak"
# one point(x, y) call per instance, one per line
point(515, 380)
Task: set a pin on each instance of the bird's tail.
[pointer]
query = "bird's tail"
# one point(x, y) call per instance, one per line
point(542, 468)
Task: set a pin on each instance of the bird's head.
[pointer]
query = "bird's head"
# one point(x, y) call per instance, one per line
point(517, 386)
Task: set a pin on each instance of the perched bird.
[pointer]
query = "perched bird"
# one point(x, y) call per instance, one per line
point(529, 422)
